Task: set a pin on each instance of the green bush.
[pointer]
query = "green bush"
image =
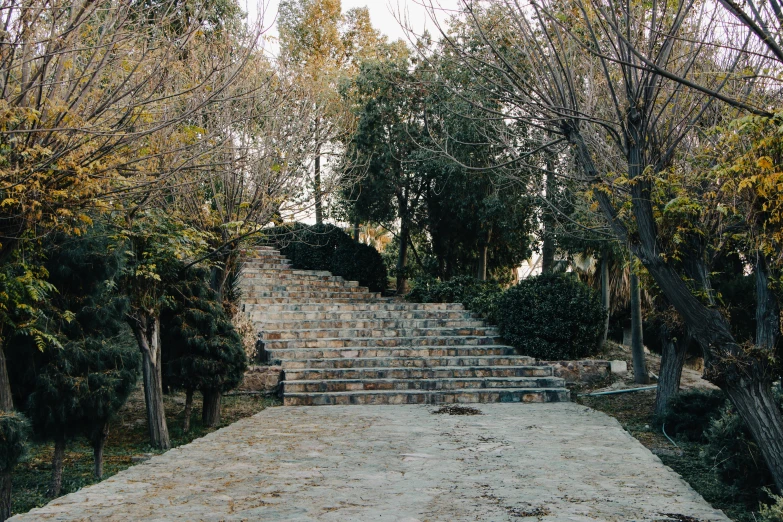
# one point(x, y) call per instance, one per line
point(552, 317)
point(735, 456)
point(478, 296)
point(14, 431)
point(327, 247)
point(690, 413)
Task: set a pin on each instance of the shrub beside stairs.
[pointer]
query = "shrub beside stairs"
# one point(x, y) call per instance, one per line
point(338, 343)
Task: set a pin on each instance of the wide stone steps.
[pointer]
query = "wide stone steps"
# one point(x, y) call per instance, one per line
point(288, 300)
point(383, 342)
point(463, 396)
point(400, 361)
point(366, 324)
point(343, 385)
point(339, 343)
point(362, 333)
point(437, 372)
point(344, 308)
point(285, 356)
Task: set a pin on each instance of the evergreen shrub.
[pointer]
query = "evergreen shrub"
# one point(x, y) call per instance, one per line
point(201, 348)
point(327, 247)
point(551, 317)
point(478, 296)
point(690, 413)
point(14, 431)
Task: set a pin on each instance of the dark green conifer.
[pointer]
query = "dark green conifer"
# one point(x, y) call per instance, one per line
point(76, 388)
point(202, 350)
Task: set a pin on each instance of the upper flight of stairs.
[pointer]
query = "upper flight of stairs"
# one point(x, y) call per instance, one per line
point(338, 343)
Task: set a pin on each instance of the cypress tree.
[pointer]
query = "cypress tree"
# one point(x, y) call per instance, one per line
point(202, 351)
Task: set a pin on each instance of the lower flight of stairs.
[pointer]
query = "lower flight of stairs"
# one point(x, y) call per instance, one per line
point(339, 343)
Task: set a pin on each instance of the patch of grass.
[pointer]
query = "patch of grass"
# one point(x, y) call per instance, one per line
point(128, 438)
point(634, 411)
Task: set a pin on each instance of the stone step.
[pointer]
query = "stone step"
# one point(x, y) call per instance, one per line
point(348, 293)
point(287, 300)
point(295, 287)
point(353, 385)
point(463, 396)
point(362, 333)
point(383, 342)
point(281, 356)
point(255, 278)
point(438, 372)
point(275, 272)
point(365, 324)
point(407, 362)
point(356, 316)
point(380, 305)
point(267, 266)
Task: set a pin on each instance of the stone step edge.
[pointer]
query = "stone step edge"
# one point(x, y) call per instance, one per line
point(428, 392)
point(510, 379)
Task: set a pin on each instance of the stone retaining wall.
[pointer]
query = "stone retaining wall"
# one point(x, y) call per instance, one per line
point(586, 370)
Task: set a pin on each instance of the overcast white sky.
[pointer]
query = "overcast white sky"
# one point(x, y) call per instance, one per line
point(382, 13)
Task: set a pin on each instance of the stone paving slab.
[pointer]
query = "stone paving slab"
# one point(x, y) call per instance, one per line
point(516, 462)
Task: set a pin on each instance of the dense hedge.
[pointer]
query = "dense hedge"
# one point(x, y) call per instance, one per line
point(326, 247)
point(552, 316)
point(478, 296)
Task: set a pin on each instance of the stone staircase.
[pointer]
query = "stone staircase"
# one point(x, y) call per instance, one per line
point(339, 343)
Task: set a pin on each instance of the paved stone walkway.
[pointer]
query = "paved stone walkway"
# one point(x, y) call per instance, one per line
point(548, 462)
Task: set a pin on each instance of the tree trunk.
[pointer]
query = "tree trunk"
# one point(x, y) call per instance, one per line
point(605, 294)
point(98, 443)
point(402, 260)
point(548, 248)
point(188, 410)
point(752, 396)
point(637, 342)
point(210, 413)
point(146, 329)
point(319, 211)
point(673, 353)
point(6, 399)
point(356, 230)
point(57, 468)
point(5, 496)
point(482, 268)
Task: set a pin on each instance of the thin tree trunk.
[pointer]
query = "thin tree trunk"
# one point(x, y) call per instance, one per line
point(402, 260)
point(98, 443)
point(548, 248)
point(5, 496)
point(319, 211)
point(637, 341)
point(605, 294)
point(482, 268)
point(6, 404)
point(6, 399)
point(673, 353)
point(188, 410)
point(356, 230)
point(210, 413)
point(147, 331)
point(57, 467)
